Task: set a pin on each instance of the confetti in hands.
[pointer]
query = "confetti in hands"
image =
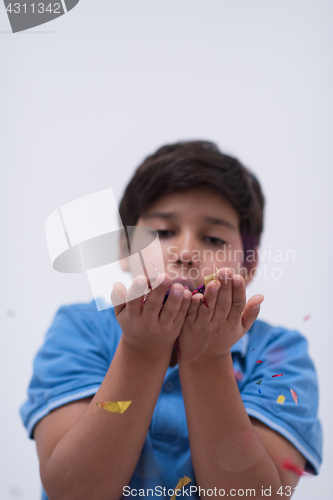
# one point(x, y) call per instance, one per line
point(115, 407)
point(211, 331)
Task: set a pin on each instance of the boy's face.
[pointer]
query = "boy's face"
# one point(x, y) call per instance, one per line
point(198, 232)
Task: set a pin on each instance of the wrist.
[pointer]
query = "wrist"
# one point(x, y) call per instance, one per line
point(146, 352)
point(209, 362)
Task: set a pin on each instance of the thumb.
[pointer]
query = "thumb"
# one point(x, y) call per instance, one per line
point(251, 311)
point(118, 296)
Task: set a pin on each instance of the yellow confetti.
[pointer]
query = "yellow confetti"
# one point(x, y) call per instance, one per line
point(183, 481)
point(211, 277)
point(281, 399)
point(115, 407)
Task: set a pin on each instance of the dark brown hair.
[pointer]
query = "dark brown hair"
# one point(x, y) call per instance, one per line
point(183, 166)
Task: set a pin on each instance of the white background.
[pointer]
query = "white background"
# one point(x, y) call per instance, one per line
point(85, 98)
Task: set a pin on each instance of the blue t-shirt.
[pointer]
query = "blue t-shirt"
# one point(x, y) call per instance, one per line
point(79, 347)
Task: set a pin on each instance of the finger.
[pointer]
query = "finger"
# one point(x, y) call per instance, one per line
point(211, 295)
point(238, 299)
point(194, 306)
point(224, 299)
point(184, 307)
point(118, 297)
point(154, 302)
point(173, 304)
point(251, 311)
point(135, 293)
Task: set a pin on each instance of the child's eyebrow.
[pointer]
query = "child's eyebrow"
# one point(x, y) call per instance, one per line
point(206, 218)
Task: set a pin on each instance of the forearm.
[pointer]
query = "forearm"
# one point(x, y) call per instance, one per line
point(101, 450)
point(226, 451)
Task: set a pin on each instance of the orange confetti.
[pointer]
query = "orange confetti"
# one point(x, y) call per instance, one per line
point(294, 395)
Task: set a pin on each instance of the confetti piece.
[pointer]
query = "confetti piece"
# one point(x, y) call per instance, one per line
point(260, 391)
point(166, 296)
point(294, 468)
point(211, 277)
point(259, 382)
point(116, 407)
point(183, 481)
point(294, 395)
point(281, 399)
point(204, 301)
point(307, 317)
point(201, 289)
point(258, 361)
point(279, 375)
point(238, 375)
point(254, 347)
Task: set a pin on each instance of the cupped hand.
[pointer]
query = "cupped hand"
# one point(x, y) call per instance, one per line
point(150, 327)
point(210, 332)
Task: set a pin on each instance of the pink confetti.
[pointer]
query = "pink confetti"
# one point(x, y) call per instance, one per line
point(294, 395)
point(279, 375)
point(238, 375)
point(258, 361)
point(294, 468)
point(307, 317)
point(201, 289)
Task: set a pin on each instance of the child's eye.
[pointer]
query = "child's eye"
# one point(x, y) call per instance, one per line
point(163, 233)
point(216, 241)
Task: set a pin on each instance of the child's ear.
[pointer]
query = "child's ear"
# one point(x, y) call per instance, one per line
point(249, 268)
point(123, 251)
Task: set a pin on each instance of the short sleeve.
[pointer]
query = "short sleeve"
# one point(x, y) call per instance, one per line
point(73, 361)
point(284, 353)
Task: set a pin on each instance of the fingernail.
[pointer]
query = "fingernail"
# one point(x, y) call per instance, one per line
point(176, 291)
point(225, 276)
point(237, 281)
point(257, 306)
point(214, 288)
point(141, 281)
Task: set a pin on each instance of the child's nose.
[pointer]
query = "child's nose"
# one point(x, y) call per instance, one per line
point(185, 246)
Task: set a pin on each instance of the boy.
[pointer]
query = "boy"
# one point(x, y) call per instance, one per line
point(189, 416)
